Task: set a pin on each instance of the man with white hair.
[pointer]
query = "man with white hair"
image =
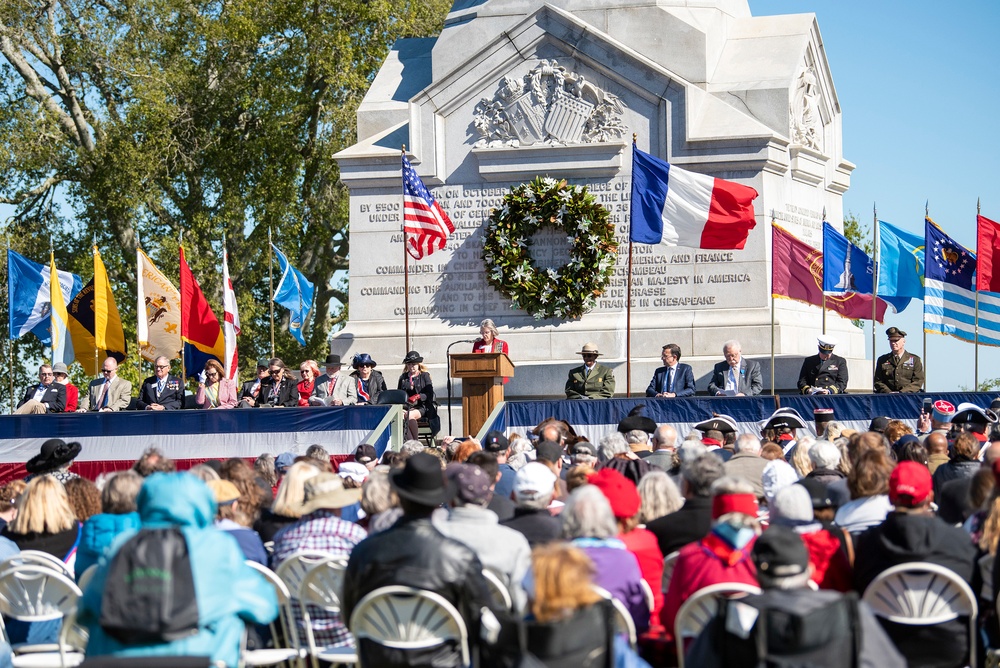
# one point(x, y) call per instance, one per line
point(825, 458)
point(747, 462)
point(736, 375)
point(664, 444)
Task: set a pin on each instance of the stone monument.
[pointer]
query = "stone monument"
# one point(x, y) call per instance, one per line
point(512, 90)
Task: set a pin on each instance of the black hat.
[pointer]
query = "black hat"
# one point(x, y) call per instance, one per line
point(779, 553)
point(412, 357)
point(818, 493)
point(878, 424)
point(549, 451)
point(895, 331)
point(967, 412)
point(822, 415)
point(54, 454)
point(639, 422)
point(495, 441)
point(332, 360)
point(422, 481)
point(785, 418)
point(723, 423)
point(365, 453)
point(263, 363)
point(583, 448)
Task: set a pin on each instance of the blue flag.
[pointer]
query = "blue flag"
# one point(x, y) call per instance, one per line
point(30, 307)
point(949, 296)
point(295, 293)
point(900, 264)
point(846, 268)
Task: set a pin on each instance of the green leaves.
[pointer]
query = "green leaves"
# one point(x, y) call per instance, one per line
point(566, 292)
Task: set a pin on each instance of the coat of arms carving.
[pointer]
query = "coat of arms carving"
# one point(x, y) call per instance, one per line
point(549, 105)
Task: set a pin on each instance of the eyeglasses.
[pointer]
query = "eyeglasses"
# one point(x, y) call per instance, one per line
point(366, 366)
point(274, 372)
point(162, 366)
point(107, 370)
point(43, 374)
point(212, 374)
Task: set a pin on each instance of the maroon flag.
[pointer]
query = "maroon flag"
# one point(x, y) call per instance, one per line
point(987, 252)
point(797, 273)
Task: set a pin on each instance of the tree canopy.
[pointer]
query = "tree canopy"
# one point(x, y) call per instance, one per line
point(139, 120)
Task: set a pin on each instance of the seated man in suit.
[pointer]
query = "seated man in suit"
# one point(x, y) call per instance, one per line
point(46, 396)
point(334, 388)
point(590, 380)
point(109, 393)
point(736, 376)
point(673, 379)
point(250, 389)
point(161, 392)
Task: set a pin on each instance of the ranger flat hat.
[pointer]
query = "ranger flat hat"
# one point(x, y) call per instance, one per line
point(589, 349)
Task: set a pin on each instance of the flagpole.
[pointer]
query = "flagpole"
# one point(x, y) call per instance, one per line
point(772, 303)
point(406, 267)
point(12, 341)
point(923, 350)
point(874, 299)
point(140, 307)
point(52, 314)
point(180, 251)
point(270, 283)
point(976, 386)
point(824, 280)
point(93, 252)
point(628, 301)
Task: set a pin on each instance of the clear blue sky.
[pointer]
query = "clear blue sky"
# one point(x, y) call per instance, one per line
point(919, 93)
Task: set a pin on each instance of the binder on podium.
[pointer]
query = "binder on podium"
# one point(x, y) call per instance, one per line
point(482, 377)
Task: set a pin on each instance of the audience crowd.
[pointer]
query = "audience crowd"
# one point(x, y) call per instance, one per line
point(577, 532)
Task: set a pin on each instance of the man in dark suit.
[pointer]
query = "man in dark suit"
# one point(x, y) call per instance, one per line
point(736, 375)
point(251, 389)
point(824, 373)
point(673, 379)
point(161, 391)
point(277, 389)
point(46, 396)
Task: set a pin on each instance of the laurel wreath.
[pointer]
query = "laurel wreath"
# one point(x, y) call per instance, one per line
point(572, 289)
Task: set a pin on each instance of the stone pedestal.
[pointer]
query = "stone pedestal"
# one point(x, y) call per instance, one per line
point(519, 89)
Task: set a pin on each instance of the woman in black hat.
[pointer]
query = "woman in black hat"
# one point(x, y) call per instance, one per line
point(54, 458)
point(416, 382)
point(369, 381)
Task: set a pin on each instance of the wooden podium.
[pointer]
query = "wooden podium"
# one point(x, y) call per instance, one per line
point(482, 377)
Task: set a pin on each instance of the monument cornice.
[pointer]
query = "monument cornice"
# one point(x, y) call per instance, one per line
point(505, 164)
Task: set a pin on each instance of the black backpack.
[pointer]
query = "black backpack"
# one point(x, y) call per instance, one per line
point(786, 637)
point(149, 593)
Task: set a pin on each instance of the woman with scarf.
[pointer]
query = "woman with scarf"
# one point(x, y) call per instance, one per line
point(416, 382)
point(307, 386)
point(370, 382)
point(214, 389)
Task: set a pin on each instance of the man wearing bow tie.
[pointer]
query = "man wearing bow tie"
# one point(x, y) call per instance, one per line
point(47, 396)
point(161, 392)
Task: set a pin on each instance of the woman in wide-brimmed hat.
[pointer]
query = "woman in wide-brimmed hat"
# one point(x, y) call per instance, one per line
point(369, 381)
point(416, 382)
point(55, 458)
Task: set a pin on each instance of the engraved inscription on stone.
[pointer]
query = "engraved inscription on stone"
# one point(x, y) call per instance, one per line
point(452, 285)
point(550, 105)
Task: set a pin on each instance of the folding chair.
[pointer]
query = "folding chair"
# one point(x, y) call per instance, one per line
point(669, 562)
point(276, 655)
point(498, 590)
point(623, 622)
point(321, 587)
point(33, 593)
point(700, 609)
point(407, 618)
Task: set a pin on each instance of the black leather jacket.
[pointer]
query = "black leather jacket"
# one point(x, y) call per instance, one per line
point(415, 554)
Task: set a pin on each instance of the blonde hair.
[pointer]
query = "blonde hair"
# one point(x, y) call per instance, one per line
point(562, 578)
point(991, 524)
point(43, 507)
point(291, 491)
point(214, 364)
point(800, 459)
point(312, 366)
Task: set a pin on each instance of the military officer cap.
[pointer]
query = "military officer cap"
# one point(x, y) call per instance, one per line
point(826, 343)
point(894, 332)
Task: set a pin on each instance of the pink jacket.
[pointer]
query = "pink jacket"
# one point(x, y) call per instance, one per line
point(227, 395)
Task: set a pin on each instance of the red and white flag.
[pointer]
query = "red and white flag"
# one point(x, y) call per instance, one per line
point(425, 223)
point(231, 317)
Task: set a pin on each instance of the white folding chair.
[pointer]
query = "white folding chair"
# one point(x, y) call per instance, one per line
point(271, 657)
point(700, 608)
point(498, 590)
point(33, 593)
point(923, 594)
point(407, 618)
point(322, 587)
point(647, 593)
point(623, 622)
point(39, 559)
point(669, 562)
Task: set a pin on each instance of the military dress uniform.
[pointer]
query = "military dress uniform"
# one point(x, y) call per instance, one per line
point(829, 374)
point(905, 374)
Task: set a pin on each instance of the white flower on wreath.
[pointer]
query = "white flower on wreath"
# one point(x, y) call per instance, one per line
point(583, 225)
point(594, 241)
point(553, 274)
point(497, 274)
point(522, 273)
point(566, 195)
point(530, 196)
point(532, 219)
point(504, 210)
point(549, 182)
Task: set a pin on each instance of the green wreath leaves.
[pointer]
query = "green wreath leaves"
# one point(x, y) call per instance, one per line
point(566, 292)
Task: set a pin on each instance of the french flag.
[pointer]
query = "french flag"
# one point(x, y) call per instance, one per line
point(674, 207)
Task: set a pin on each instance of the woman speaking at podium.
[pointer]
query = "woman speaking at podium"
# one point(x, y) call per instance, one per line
point(488, 341)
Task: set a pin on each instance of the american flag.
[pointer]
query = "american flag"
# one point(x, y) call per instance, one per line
point(425, 223)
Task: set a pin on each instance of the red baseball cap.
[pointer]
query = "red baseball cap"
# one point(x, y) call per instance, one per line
point(909, 484)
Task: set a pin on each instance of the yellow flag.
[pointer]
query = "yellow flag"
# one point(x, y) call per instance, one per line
point(95, 326)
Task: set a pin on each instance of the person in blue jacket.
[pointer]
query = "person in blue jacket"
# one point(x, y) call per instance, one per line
point(673, 379)
point(118, 516)
point(229, 593)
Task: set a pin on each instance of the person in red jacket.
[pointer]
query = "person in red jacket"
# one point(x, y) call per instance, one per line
point(624, 499)
point(792, 508)
point(721, 556)
point(72, 391)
